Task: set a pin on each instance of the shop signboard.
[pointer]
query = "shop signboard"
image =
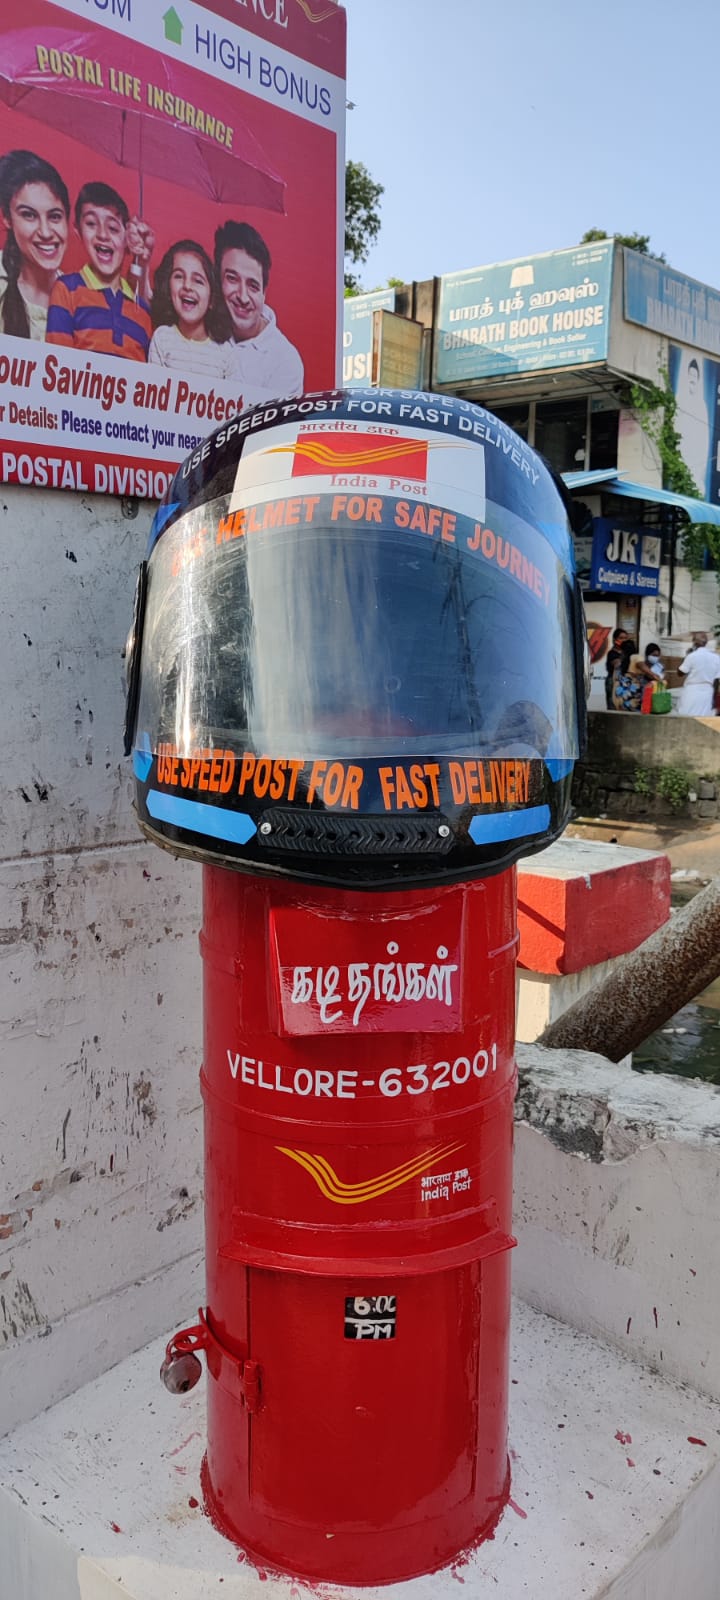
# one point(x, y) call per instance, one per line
point(667, 302)
point(398, 344)
point(625, 558)
point(171, 227)
point(529, 315)
point(695, 382)
point(358, 335)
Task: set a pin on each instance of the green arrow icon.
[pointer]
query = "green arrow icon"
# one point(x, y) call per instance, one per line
point(173, 26)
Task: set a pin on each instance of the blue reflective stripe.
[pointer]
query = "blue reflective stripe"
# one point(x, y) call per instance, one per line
point(560, 543)
point(142, 757)
point(559, 767)
point(160, 520)
point(495, 826)
point(142, 761)
point(235, 826)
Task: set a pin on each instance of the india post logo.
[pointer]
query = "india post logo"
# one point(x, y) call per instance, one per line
point(316, 454)
point(316, 11)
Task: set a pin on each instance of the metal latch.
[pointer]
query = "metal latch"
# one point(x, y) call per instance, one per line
point(181, 1369)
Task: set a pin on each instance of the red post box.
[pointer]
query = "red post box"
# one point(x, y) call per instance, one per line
point(357, 677)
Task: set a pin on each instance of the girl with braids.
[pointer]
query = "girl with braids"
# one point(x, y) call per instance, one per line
point(35, 207)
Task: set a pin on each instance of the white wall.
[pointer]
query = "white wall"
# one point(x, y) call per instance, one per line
point(631, 349)
point(616, 1184)
point(638, 457)
point(100, 1162)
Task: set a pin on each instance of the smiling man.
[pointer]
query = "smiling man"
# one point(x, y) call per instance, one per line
point(266, 364)
point(96, 309)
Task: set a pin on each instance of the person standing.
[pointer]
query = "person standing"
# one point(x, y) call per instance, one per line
point(264, 362)
point(630, 679)
point(612, 663)
point(653, 660)
point(701, 671)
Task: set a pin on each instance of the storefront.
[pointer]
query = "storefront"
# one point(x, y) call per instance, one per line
point(554, 344)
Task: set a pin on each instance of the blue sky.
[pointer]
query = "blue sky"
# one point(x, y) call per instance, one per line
point(502, 130)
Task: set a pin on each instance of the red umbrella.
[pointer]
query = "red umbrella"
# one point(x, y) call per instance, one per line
point(140, 110)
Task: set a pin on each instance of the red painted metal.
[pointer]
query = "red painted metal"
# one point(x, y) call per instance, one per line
point(589, 911)
point(358, 1082)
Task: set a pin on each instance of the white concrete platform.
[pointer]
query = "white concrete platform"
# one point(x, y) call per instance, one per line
point(610, 1496)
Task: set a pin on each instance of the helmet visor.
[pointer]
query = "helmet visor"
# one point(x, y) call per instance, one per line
point(302, 629)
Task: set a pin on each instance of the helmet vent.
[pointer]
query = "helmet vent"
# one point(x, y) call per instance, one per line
point(319, 833)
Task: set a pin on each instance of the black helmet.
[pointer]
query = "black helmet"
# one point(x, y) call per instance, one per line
point(357, 652)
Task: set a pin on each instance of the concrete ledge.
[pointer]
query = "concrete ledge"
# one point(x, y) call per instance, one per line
point(60, 1357)
point(581, 903)
point(99, 1496)
point(616, 1182)
point(541, 999)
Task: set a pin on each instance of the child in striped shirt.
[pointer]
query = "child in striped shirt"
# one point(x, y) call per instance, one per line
point(184, 313)
point(96, 309)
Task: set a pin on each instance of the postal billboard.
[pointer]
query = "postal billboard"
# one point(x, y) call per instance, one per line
point(171, 227)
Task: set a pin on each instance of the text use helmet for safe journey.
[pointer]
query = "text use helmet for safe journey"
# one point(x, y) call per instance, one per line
point(357, 655)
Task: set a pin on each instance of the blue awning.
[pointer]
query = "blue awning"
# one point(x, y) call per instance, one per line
point(613, 483)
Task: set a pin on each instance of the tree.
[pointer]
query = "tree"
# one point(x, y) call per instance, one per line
point(362, 216)
point(633, 241)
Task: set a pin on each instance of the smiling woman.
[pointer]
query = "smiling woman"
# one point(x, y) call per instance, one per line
point(35, 206)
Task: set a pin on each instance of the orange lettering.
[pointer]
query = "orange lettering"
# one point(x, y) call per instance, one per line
point(457, 782)
point(432, 773)
point(420, 794)
point(486, 793)
point(498, 775)
point(404, 792)
point(385, 775)
point(263, 774)
point(295, 768)
point(246, 771)
point(334, 784)
point(353, 783)
point(274, 514)
point(418, 520)
point(472, 779)
point(317, 776)
point(277, 784)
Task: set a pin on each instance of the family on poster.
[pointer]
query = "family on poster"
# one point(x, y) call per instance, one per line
point(195, 312)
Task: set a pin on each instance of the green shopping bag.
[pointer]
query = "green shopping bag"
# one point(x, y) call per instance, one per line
point(661, 702)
